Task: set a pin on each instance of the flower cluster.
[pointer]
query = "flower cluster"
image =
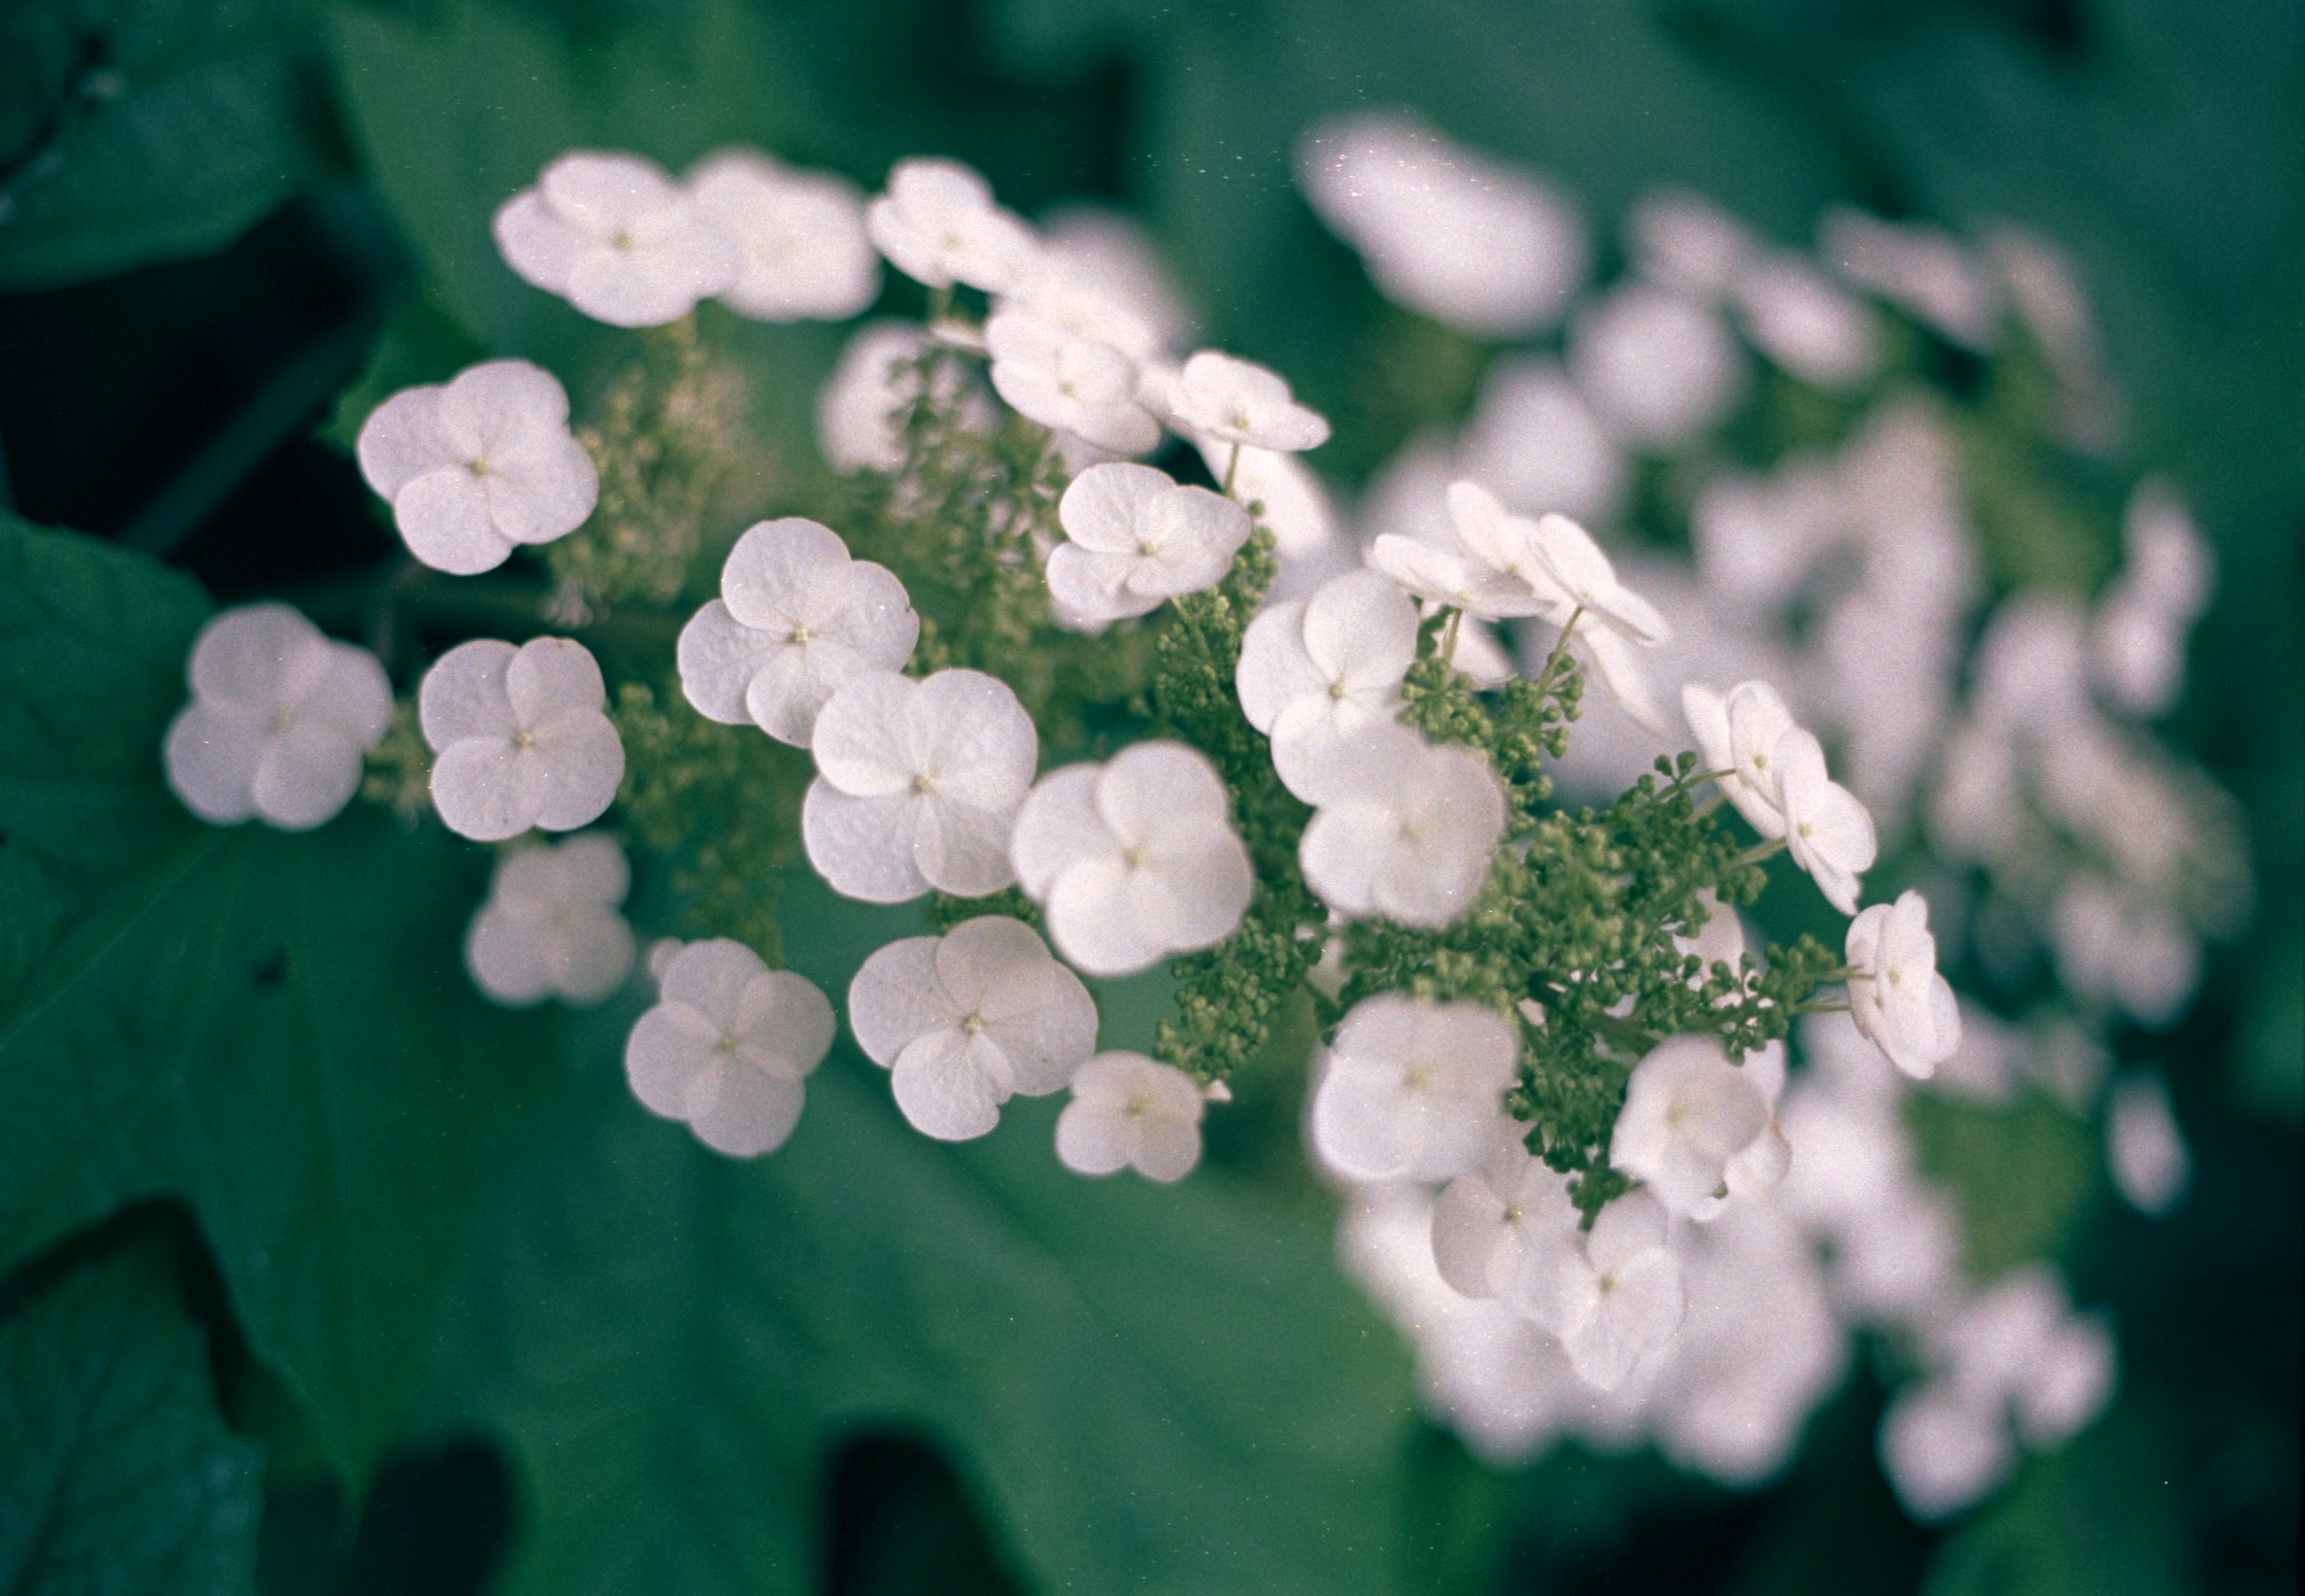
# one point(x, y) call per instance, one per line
point(1082, 652)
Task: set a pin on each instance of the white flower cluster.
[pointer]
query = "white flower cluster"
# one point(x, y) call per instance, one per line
point(1849, 578)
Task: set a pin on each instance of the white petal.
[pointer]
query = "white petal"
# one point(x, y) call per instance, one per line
point(550, 675)
point(977, 742)
point(1110, 919)
point(1092, 1138)
point(1057, 825)
point(669, 1047)
point(264, 656)
point(308, 772)
point(505, 959)
point(486, 790)
point(583, 763)
point(895, 998)
point(863, 846)
point(1276, 669)
point(753, 1113)
point(784, 1024)
point(592, 956)
point(401, 441)
point(445, 520)
point(863, 737)
point(774, 570)
point(1360, 628)
point(718, 657)
point(1106, 506)
point(463, 694)
point(710, 976)
point(962, 849)
point(945, 1087)
point(538, 245)
point(211, 754)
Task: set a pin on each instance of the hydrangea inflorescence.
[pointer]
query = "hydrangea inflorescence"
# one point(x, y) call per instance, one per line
point(1007, 667)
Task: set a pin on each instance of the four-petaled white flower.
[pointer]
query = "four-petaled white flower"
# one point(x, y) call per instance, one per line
point(279, 720)
point(1828, 833)
point(520, 738)
point(549, 928)
point(1135, 538)
point(1896, 995)
point(805, 257)
point(728, 1047)
point(964, 1021)
point(1220, 398)
point(478, 465)
point(797, 618)
point(617, 239)
point(1620, 1308)
point(1402, 828)
point(1134, 859)
point(1690, 1114)
point(1130, 1112)
point(1506, 1227)
point(1415, 1088)
point(938, 224)
point(1069, 383)
point(917, 785)
point(1315, 673)
point(1737, 735)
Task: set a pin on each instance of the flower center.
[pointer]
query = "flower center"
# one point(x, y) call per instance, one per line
point(478, 465)
point(799, 638)
point(974, 1025)
point(924, 783)
point(1136, 1108)
point(1336, 690)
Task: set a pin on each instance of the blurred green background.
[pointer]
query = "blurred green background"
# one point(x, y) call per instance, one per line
point(399, 1292)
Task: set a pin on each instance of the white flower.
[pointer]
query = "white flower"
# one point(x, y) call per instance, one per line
point(1134, 859)
point(549, 928)
point(938, 225)
point(279, 720)
point(1290, 499)
point(1738, 736)
point(1533, 442)
point(1069, 383)
point(1618, 1312)
point(1656, 369)
point(2144, 1147)
point(520, 738)
point(615, 238)
point(1128, 1112)
point(801, 234)
point(1445, 577)
point(1413, 1088)
point(1896, 995)
point(918, 783)
point(478, 465)
point(1402, 828)
point(861, 404)
point(1219, 399)
point(797, 620)
point(1680, 240)
point(1312, 674)
point(1920, 268)
point(1073, 299)
point(1475, 243)
point(727, 1046)
point(1557, 560)
point(1828, 833)
point(1137, 538)
point(1805, 323)
point(1503, 1228)
point(967, 1020)
point(1942, 1452)
point(1689, 1112)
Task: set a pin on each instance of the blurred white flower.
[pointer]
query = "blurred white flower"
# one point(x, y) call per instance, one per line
point(1689, 1112)
point(617, 239)
point(1805, 323)
point(1068, 301)
point(1656, 369)
point(964, 1021)
point(1400, 827)
point(1219, 399)
point(1942, 1454)
point(805, 257)
point(797, 618)
point(1130, 1112)
point(860, 409)
point(1895, 995)
point(1918, 268)
point(1315, 673)
point(1500, 1228)
point(1618, 1313)
point(549, 928)
point(727, 1046)
point(1289, 498)
point(2144, 1148)
point(1535, 443)
point(1068, 381)
point(1826, 830)
point(478, 465)
point(917, 785)
point(938, 225)
point(2137, 637)
point(1107, 250)
point(1415, 1088)
point(1477, 245)
point(520, 738)
point(1133, 860)
point(1137, 538)
point(280, 718)
point(1680, 240)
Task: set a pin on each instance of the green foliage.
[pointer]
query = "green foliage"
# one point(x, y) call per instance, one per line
point(721, 804)
point(2025, 1173)
point(278, 1028)
point(1151, 1389)
point(142, 133)
point(117, 1474)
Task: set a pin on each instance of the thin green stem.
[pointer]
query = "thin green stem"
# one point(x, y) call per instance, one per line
point(1232, 469)
point(1760, 851)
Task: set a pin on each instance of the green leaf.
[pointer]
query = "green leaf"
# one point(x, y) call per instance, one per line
point(1148, 1389)
point(276, 1028)
point(117, 1474)
point(130, 135)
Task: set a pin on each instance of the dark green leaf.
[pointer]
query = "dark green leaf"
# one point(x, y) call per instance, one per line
point(136, 133)
point(277, 1028)
point(117, 1474)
